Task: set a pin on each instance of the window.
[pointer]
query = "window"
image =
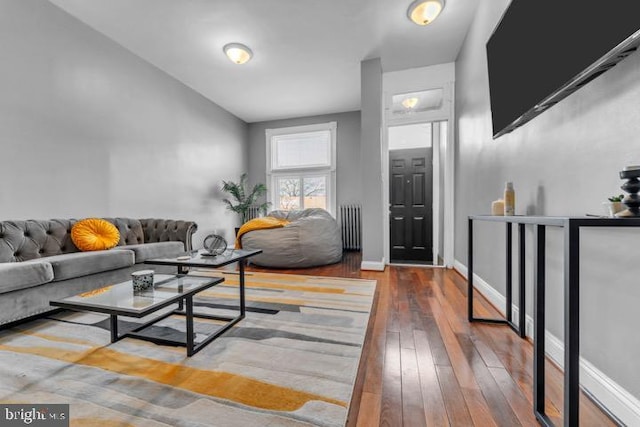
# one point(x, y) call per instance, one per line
point(301, 167)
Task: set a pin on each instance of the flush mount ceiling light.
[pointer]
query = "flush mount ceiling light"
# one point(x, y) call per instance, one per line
point(237, 52)
point(409, 103)
point(423, 12)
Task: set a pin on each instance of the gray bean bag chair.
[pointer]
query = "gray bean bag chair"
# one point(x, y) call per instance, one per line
point(312, 238)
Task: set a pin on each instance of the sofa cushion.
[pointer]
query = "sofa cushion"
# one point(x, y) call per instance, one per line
point(79, 264)
point(21, 275)
point(155, 250)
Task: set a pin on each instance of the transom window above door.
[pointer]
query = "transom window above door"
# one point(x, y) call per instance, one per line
point(301, 167)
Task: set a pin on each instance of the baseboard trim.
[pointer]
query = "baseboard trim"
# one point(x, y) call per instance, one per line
point(621, 404)
point(373, 265)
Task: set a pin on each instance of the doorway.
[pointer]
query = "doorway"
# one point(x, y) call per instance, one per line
point(416, 155)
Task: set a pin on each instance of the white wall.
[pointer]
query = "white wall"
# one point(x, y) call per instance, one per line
point(89, 129)
point(563, 162)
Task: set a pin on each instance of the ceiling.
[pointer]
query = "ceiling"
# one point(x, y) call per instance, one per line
point(307, 53)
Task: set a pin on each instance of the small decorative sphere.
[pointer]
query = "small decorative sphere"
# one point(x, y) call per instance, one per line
point(215, 244)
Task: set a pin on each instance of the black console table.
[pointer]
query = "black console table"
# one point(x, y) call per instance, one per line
point(571, 227)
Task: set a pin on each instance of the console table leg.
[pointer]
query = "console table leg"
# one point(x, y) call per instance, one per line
point(508, 312)
point(522, 322)
point(539, 285)
point(571, 323)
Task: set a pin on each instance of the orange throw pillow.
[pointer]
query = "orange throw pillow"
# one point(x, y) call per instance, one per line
point(94, 234)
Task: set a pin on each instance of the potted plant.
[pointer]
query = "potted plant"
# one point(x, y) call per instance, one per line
point(614, 205)
point(242, 200)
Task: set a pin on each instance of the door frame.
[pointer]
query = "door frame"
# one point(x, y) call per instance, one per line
point(445, 114)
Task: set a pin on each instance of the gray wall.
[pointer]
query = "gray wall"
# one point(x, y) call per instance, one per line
point(347, 145)
point(87, 128)
point(564, 162)
point(370, 155)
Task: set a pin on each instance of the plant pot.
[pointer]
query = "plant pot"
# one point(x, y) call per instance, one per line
point(612, 208)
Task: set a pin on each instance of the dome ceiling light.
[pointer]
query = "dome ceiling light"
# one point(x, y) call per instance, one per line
point(409, 103)
point(423, 12)
point(237, 52)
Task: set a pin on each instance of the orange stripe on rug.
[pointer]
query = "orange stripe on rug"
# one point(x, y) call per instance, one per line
point(316, 289)
point(288, 301)
point(224, 385)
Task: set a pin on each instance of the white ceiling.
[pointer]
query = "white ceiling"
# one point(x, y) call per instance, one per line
point(307, 53)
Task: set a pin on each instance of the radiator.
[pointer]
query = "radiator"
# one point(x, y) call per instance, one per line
point(253, 212)
point(351, 225)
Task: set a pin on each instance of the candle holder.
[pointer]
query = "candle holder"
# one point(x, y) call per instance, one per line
point(632, 200)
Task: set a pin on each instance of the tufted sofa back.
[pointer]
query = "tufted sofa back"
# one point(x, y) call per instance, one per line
point(131, 232)
point(32, 239)
point(25, 240)
point(165, 230)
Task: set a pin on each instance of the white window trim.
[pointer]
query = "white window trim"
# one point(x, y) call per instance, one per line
point(330, 171)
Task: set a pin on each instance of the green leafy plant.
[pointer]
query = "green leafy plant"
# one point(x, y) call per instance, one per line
point(242, 200)
point(616, 198)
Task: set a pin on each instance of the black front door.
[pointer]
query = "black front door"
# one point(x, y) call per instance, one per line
point(410, 197)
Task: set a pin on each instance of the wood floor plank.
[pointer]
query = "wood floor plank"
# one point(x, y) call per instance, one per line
point(377, 341)
point(369, 413)
point(393, 321)
point(490, 358)
point(476, 403)
point(457, 410)
point(412, 403)
point(405, 318)
point(391, 405)
point(433, 403)
point(498, 404)
point(438, 349)
point(519, 403)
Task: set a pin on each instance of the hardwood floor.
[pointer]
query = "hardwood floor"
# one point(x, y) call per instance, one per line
point(423, 364)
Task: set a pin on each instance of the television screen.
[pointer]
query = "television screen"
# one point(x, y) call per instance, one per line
point(541, 45)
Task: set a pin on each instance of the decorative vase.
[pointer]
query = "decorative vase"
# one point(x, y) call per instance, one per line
point(612, 208)
point(632, 186)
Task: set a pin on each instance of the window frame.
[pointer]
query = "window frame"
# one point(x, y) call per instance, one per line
point(329, 171)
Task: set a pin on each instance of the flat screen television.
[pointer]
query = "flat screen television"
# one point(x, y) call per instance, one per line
point(543, 50)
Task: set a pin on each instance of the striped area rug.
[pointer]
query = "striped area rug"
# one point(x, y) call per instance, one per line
point(291, 362)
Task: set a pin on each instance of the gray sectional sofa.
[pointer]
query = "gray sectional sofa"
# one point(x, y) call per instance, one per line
point(40, 263)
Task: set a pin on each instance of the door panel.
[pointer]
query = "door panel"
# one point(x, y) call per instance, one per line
point(418, 195)
point(418, 228)
point(397, 232)
point(397, 190)
point(411, 216)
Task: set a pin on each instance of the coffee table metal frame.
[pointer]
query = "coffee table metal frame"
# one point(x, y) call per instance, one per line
point(185, 308)
point(197, 260)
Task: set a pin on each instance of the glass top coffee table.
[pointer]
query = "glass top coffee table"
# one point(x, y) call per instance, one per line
point(121, 300)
